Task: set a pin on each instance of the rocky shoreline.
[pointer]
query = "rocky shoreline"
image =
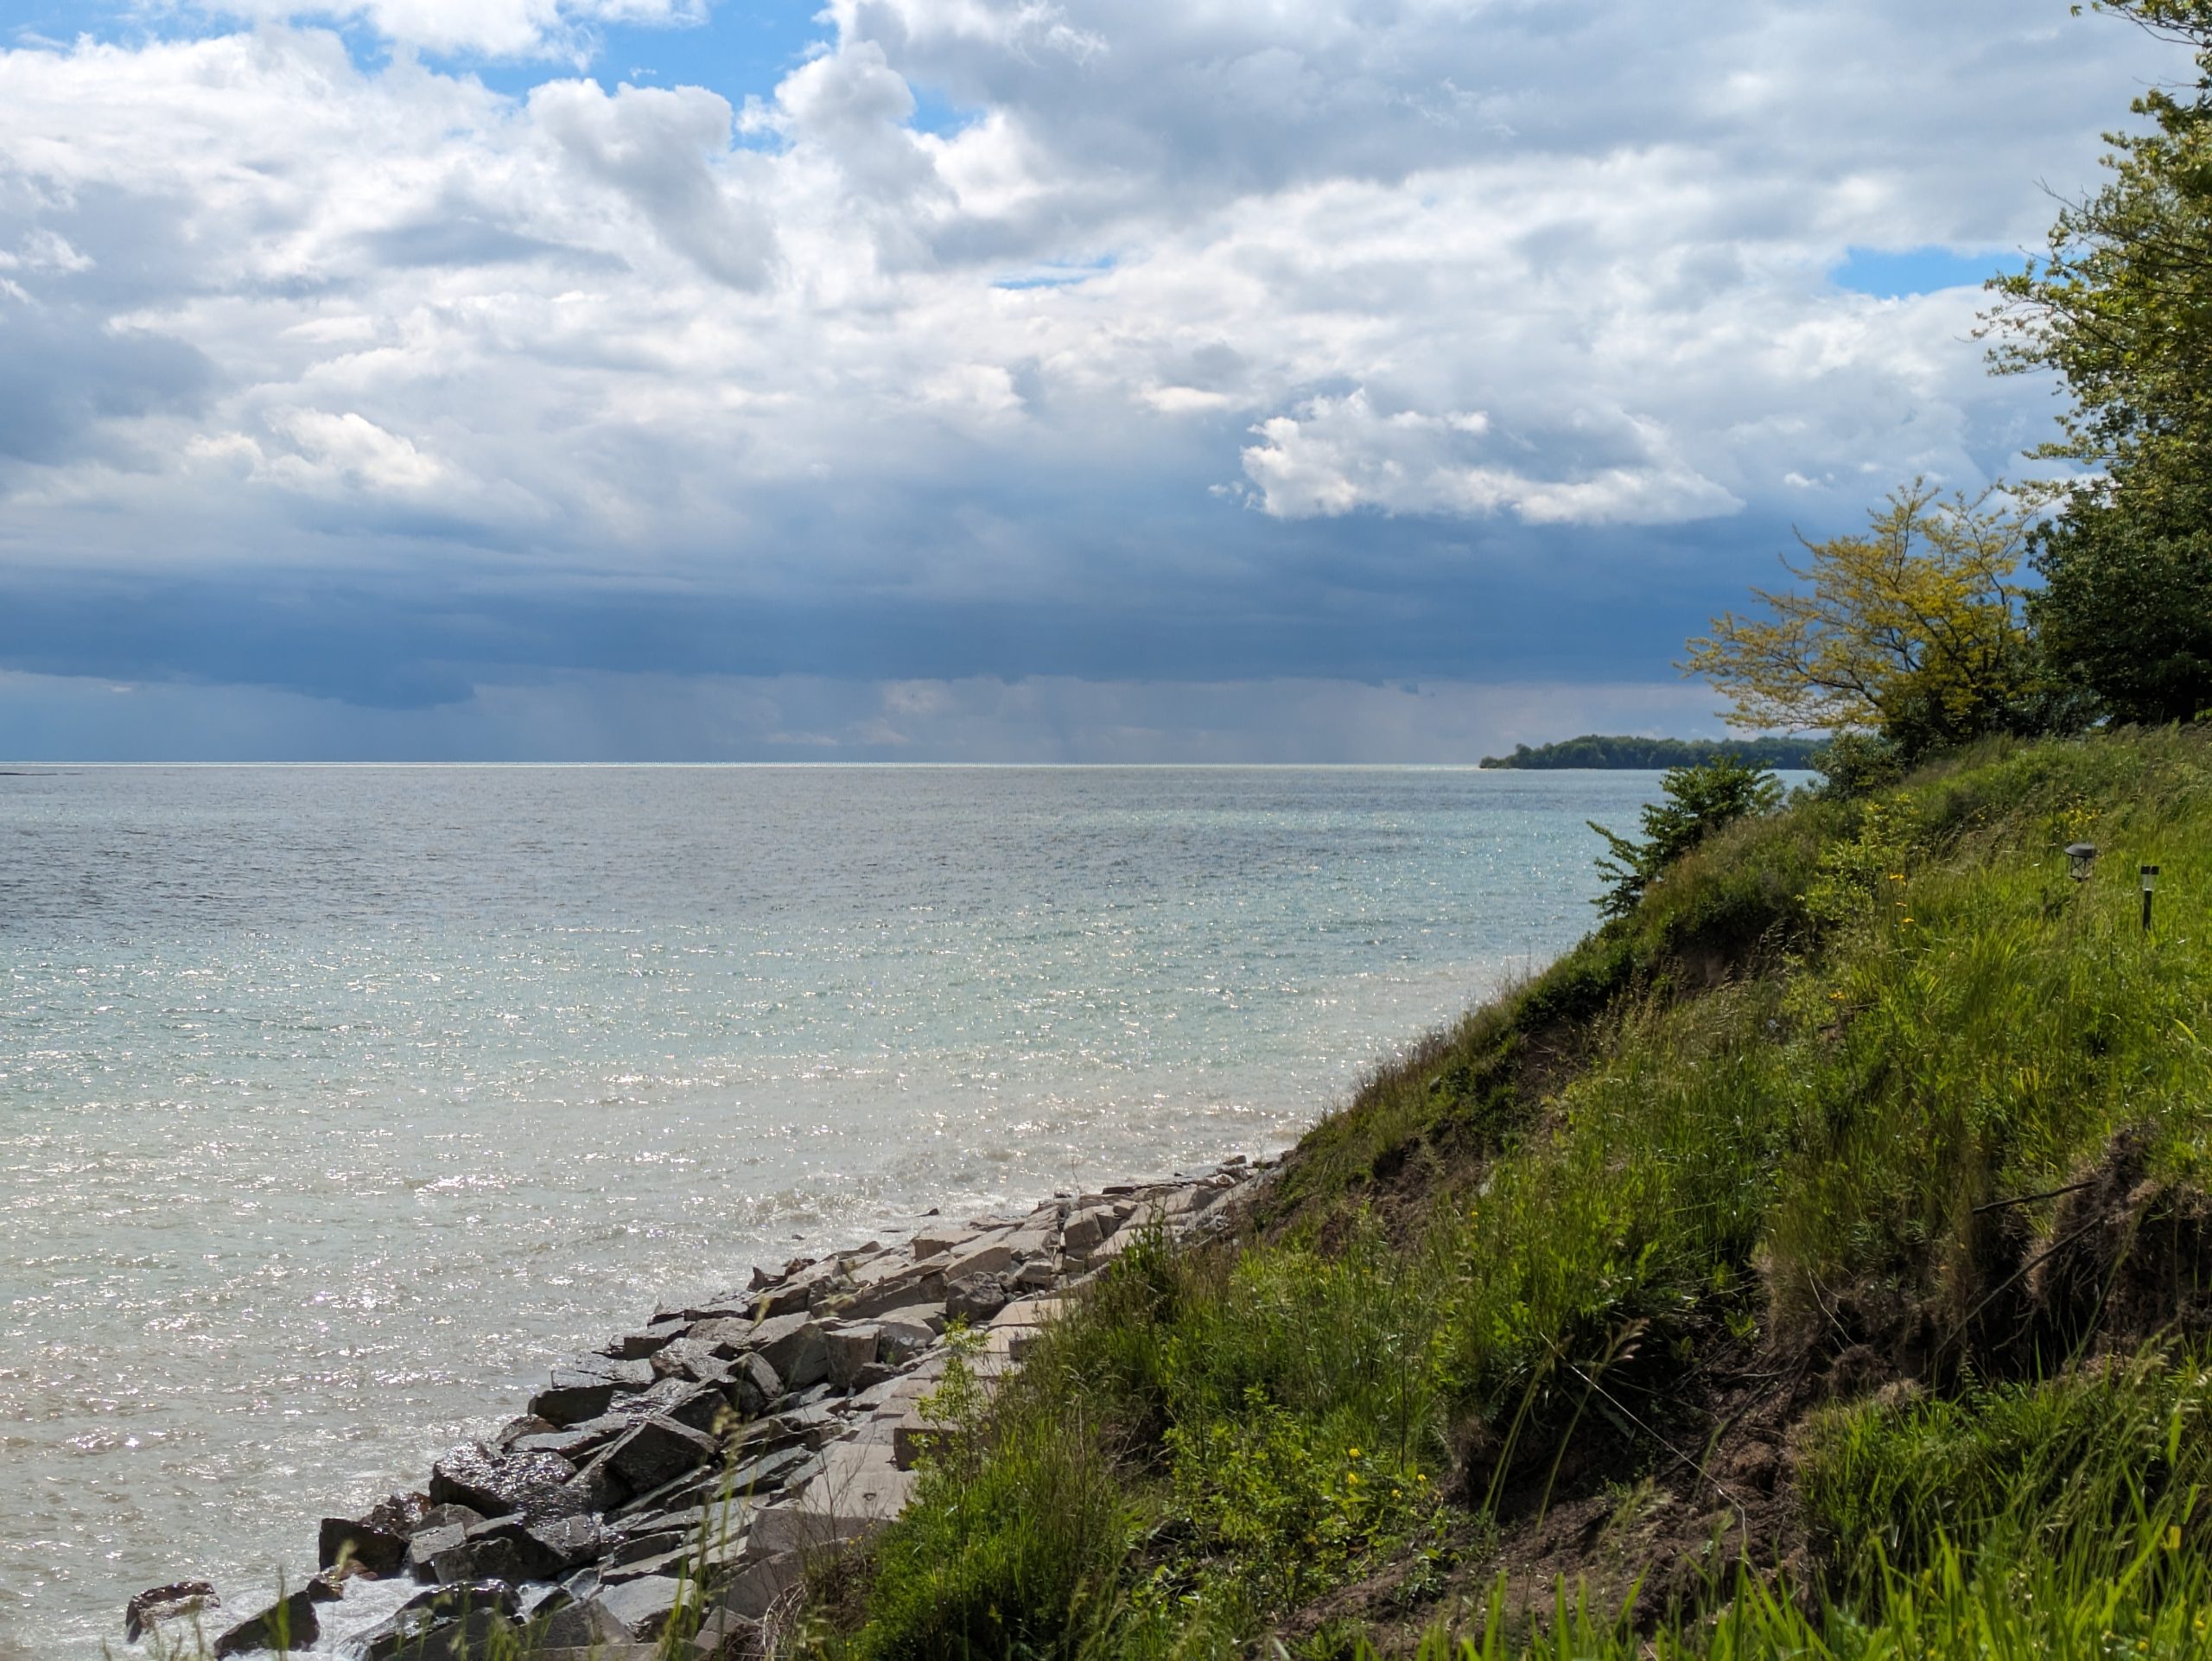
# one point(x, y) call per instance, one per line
point(684, 1473)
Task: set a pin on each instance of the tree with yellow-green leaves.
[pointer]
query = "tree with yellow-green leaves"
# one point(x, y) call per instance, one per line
point(1914, 628)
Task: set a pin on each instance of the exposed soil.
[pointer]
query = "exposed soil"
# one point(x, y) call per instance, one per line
point(1690, 1473)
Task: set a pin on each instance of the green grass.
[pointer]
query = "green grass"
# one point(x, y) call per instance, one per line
point(1782, 1110)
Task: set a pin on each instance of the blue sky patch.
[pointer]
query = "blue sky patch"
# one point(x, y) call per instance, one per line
point(1892, 274)
point(744, 46)
point(1059, 273)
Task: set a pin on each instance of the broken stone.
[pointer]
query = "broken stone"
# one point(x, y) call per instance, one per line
point(472, 1474)
point(1036, 1276)
point(290, 1623)
point(655, 1450)
point(846, 1351)
point(919, 1286)
point(975, 1298)
point(512, 1549)
point(179, 1601)
point(753, 1384)
point(792, 1345)
point(622, 1374)
point(770, 1472)
point(455, 1623)
point(583, 1626)
point(859, 1490)
point(431, 1544)
point(574, 1443)
point(638, 1346)
point(640, 1607)
point(515, 1429)
point(573, 1402)
point(991, 1256)
point(447, 1515)
point(343, 1540)
point(752, 1591)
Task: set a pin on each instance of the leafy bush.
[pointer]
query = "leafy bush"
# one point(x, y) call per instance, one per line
point(1698, 801)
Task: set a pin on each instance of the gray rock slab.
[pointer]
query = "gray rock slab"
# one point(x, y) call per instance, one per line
point(976, 1298)
point(638, 1346)
point(897, 1337)
point(929, 1314)
point(938, 1237)
point(513, 1549)
point(859, 1489)
point(793, 1346)
point(847, 1350)
point(343, 1539)
point(428, 1545)
point(573, 1402)
point(585, 1627)
point(753, 1384)
point(576, 1442)
point(752, 1591)
point(463, 1637)
point(770, 1472)
point(636, 1548)
point(926, 1284)
point(655, 1450)
point(640, 1607)
point(991, 1256)
point(700, 1407)
point(725, 1334)
point(494, 1483)
point(288, 1624)
point(179, 1601)
point(621, 1373)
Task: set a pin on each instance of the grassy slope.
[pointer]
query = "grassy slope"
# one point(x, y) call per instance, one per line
point(1696, 1277)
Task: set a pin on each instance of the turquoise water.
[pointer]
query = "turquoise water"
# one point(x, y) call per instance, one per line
point(333, 1102)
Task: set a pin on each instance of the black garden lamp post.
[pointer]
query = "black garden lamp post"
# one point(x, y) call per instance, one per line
point(2149, 874)
point(2080, 857)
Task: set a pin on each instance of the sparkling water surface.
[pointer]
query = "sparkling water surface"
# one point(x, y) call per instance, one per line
point(335, 1103)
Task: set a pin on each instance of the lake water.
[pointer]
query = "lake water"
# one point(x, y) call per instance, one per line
point(336, 1102)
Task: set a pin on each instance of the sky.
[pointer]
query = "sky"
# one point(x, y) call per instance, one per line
point(996, 381)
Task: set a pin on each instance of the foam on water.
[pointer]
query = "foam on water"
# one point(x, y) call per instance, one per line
point(335, 1103)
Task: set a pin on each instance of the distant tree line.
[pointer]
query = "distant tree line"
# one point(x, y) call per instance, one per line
point(1599, 750)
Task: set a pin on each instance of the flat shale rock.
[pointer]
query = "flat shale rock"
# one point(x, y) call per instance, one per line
point(574, 1443)
point(572, 1403)
point(289, 1623)
point(640, 1607)
point(976, 1297)
point(638, 1346)
point(699, 1406)
point(753, 1384)
point(178, 1601)
point(429, 1545)
point(654, 1451)
point(622, 1374)
point(793, 1346)
point(342, 1539)
point(512, 1549)
point(847, 1349)
point(755, 1587)
point(465, 1637)
point(499, 1484)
